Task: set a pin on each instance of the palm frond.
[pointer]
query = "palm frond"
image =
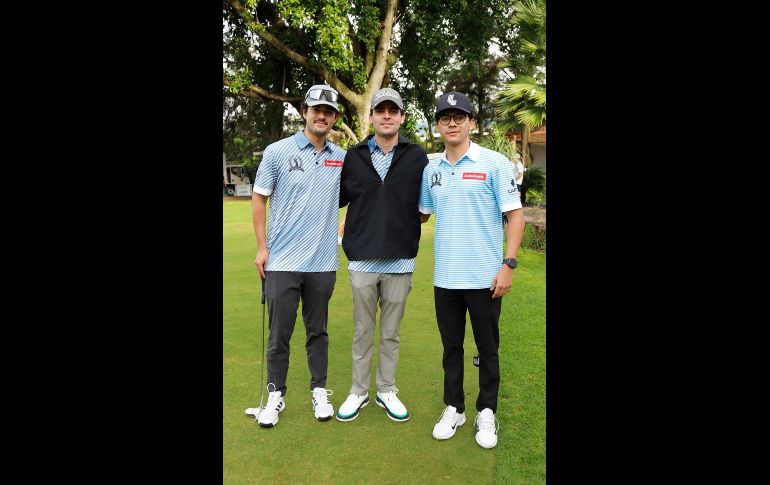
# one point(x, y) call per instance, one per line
point(506, 107)
point(519, 87)
point(532, 116)
point(531, 47)
point(539, 96)
point(508, 124)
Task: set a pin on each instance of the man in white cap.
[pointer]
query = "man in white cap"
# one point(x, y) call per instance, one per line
point(297, 257)
point(468, 188)
point(381, 182)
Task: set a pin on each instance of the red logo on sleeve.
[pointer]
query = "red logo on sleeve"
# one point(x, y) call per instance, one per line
point(333, 163)
point(474, 176)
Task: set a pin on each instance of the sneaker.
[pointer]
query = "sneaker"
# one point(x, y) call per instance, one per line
point(322, 408)
point(269, 415)
point(392, 405)
point(349, 409)
point(448, 423)
point(486, 428)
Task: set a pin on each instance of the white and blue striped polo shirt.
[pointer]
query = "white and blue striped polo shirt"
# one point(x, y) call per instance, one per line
point(468, 200)
point(381, 162)
point(304, 191)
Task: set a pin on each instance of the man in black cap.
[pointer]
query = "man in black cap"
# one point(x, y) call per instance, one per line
point(468, 188)
point(381, 182)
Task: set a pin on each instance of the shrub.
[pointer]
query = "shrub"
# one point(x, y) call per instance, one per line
point(533, 182)
point(534, 237)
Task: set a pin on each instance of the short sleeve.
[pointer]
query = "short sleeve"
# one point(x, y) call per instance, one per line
point(507, 193)
point(266, 174)
point(425, 205)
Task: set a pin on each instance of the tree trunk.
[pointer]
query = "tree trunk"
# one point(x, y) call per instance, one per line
point(524, 159)
point(363, 117)
point(479, 121)
point(525, 146)
point(430, 135)
point(379, 68)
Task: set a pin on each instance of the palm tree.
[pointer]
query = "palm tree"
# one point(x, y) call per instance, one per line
point(522, 101)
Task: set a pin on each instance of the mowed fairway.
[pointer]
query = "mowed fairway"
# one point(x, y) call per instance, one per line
point(372, 448)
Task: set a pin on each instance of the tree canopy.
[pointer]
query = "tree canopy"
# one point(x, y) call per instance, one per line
point(275, 50)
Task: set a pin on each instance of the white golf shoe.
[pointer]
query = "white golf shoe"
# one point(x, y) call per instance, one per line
point(322, 408)
point(352, 405)
point(486, 429)
point(448, 423)
point(393, 406)
point(269, 415)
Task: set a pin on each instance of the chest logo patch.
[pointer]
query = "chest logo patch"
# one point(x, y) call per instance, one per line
point(474, 176)
point(435, 180)
point(295, 164)
point(333, 163)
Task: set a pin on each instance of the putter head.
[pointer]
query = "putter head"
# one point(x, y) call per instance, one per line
point(254, 412)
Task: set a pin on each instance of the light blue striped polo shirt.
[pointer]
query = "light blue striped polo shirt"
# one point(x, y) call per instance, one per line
point(304, 191)
point(381, 162)
point(468, 200)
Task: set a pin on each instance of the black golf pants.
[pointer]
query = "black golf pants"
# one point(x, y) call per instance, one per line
point(451, 307)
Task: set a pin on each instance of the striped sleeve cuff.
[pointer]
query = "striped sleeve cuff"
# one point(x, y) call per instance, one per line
point(263, 191)
point(423, 210)
point(510, 207)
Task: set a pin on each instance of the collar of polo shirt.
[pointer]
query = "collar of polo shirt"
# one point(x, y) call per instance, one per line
point(302, 141)
point(472, 153)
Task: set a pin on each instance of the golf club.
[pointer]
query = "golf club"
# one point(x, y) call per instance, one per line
point(255, 411)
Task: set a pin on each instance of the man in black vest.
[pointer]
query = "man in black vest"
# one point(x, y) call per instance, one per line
point(381, 181)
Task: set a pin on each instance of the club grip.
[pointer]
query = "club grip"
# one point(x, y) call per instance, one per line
point(263, 292)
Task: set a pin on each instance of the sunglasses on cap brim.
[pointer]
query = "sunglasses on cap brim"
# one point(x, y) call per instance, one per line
point(321, 94)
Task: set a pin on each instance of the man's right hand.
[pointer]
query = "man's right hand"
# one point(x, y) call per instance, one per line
point(261, 262)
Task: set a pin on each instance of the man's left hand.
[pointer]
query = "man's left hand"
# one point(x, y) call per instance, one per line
point(502, 282)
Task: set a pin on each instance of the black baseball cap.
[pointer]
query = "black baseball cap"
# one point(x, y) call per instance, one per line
point(453, 100)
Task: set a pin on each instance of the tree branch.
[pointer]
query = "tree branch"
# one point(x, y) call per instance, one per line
point(349, 132)
point(324, 71)
point(381, 56)
point(255, 90)
point(368, 62)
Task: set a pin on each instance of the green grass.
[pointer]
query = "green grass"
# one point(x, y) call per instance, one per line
point(373, 448)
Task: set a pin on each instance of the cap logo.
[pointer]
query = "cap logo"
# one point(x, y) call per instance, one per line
point(451, 100)
point(385, 93)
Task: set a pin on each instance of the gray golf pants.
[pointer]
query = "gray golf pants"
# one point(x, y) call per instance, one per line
point(391, 289)
point(283, 290)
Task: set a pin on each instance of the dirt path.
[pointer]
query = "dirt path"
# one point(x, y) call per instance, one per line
point(534, 215)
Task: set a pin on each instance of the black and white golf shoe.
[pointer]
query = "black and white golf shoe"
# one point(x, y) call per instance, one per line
point(269, 416)
point(322, 408)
